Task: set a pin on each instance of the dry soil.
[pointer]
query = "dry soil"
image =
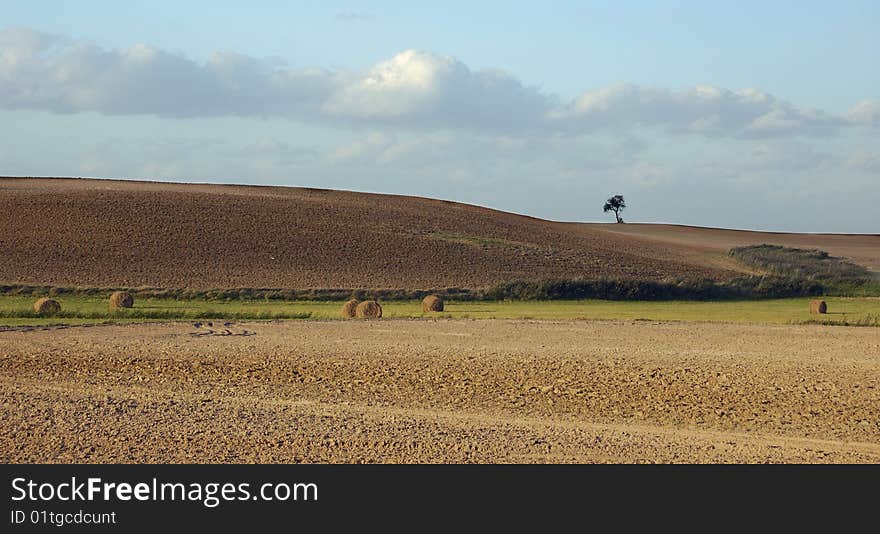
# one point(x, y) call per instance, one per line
point(441, 391)
point(111, 233)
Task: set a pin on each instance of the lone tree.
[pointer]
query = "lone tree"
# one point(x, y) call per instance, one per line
point(615, 204)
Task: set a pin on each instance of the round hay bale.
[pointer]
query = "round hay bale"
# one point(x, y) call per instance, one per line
point(432, 303)
point(818, 306)
point(368, 309)
point(121, 299)
point(47, 306)
point(348, 309)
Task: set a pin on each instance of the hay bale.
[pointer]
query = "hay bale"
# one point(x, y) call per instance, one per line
point(818, 306)
point(368, 309)
point(348, 309)
point(121, 299)
point(432, 303)
point(47, 306)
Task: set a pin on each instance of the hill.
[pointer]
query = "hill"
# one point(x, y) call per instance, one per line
point(103, 233)
point(863, 249)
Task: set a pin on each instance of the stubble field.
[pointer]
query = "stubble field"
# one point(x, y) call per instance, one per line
point(441, 391)
point(17, 311)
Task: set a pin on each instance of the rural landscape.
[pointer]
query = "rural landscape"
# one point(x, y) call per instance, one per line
point(148, 322)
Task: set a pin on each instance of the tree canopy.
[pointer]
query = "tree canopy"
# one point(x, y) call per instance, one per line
point(615, 204)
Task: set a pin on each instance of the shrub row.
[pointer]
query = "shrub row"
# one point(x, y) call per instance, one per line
point(768, 286)
point(740, 288)
point(810, 264)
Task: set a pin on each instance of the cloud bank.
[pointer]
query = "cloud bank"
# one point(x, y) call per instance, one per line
point(414, 89)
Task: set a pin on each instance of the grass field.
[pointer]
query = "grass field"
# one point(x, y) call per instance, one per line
point(16, 311)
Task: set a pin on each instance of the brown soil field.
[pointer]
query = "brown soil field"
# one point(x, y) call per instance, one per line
point(441, 391)
point(111, 233)
point(863, 249)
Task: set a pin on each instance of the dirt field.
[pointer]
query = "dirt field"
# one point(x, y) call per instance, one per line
point(862, 249)
point(107, 233)
point(442, 391)
point(121, 233)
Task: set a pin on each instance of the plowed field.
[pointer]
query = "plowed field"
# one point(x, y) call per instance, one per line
point(105, 233)
point(442, 391)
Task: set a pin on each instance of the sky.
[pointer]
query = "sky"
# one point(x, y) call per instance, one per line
point(756, 115)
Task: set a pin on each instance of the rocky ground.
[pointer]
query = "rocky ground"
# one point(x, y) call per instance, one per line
point(441, 391)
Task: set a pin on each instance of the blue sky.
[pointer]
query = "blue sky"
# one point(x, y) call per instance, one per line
point(747, 114)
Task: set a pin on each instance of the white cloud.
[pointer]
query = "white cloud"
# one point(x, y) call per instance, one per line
point(418, 88)
point(408, 83)
point(706, 110)
point(865, 112)
point(39, 71)
point(413, 90)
